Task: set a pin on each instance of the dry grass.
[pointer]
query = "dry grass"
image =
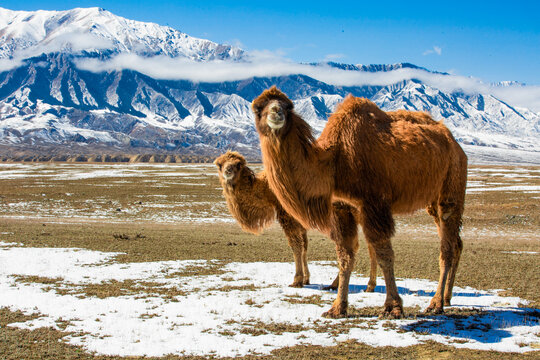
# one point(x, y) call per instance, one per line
point(495, 224)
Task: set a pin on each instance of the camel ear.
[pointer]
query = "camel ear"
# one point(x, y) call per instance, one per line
point(242, 160)
point(256, 108)
point(218, 162)
point(289, 105)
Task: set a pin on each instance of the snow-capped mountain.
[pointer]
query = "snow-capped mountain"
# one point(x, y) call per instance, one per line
point(48, 101)
point(24, 33)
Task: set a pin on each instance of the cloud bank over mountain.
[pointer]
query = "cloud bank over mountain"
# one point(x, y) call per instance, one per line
point(265, 65)
point(91, 78)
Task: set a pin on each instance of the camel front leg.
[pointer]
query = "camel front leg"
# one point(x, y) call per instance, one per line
point(378, 226)
point(345, 234)
point(393, 305)
point(373, 269)
point(304, 259)
point(346, 259)
point(296, 243)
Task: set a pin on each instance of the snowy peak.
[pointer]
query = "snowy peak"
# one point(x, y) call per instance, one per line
point(28, 33)
point(48, 101)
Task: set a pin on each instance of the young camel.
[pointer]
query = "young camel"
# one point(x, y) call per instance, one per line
point(380, 163)
point(255, 207)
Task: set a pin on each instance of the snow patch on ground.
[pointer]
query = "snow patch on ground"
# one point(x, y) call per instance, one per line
point(525, 189)
point(521, 252)
point(206, 318)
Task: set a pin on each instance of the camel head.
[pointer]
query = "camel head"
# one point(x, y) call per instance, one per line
point(272, 112)
point(230, 166)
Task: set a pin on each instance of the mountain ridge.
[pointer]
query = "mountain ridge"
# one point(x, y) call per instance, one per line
point(48, 101)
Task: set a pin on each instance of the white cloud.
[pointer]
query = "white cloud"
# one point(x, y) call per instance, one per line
point(74, 42)
point(435, 50)
point(9, 64)
point(519, 95)
point(266, 63)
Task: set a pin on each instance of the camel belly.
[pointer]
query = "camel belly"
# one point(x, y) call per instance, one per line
point(406, 188)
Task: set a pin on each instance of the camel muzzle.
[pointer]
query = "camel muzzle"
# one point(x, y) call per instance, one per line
point(275, 120)
point(228, 175)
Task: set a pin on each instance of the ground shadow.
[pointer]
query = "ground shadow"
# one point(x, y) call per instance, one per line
point(355, 289)
point(486, 326)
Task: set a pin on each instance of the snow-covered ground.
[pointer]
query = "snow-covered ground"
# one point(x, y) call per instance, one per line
point(237, 311)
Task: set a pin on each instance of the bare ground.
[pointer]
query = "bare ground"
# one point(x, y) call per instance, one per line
point(151, 216)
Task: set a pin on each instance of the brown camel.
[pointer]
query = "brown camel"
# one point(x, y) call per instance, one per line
point(380, 163)
point(255, 207)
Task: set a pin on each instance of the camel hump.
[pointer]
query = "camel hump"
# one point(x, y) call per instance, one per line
point(358, 107)
point(415, 117)
point(351, 101)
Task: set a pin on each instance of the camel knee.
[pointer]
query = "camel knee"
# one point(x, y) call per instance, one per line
point(385, 258)
point(451, 249)
point(447, 256)
point(296, 242)
point(448, 211)
point(432, 210)
point(346, 257)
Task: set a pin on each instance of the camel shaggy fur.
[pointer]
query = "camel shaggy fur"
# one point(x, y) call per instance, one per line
point(380, 163)
point(255, 207)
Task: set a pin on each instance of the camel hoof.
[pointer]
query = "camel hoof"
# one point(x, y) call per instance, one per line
point(296, 285)
point(329, 287)
point(434, 310)
point(335, 314)
point(392, 312)
point(447, 302)
point(306, 282)
point(370, 288)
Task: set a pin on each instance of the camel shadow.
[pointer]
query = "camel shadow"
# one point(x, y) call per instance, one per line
point(356, 289)
point(486, 326)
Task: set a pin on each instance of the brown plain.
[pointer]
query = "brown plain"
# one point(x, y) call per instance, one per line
point(380, 163)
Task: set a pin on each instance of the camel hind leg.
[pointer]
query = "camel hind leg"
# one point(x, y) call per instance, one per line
point(448, 219)
point(448, 212)
point(452, 273)
point(448, 257)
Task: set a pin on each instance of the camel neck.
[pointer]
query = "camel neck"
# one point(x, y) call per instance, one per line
point(300, 177)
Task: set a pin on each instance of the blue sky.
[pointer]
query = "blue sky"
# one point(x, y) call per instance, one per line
point(493, 40)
